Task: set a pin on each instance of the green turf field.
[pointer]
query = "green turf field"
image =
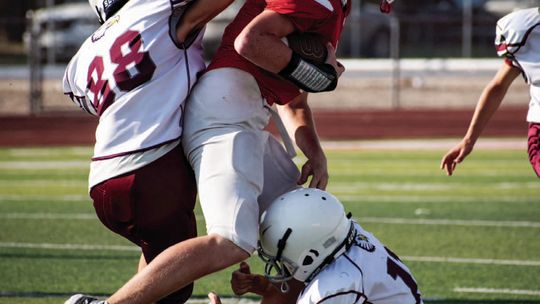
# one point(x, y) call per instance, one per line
point(471, 238)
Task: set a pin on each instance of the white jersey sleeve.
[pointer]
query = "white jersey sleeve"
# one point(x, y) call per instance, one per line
point(133, 75)
point(367, 273)
point(518, 38)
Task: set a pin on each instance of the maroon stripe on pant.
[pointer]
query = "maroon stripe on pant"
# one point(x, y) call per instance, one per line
point(533, 146)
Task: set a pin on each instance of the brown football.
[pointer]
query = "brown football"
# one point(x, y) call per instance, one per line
point(308, 45)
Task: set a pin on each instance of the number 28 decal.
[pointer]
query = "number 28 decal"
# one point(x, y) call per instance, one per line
point(125, 52)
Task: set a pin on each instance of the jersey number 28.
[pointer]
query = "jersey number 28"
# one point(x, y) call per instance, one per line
point(125, 53)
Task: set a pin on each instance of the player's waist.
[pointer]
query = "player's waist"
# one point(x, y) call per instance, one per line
point(273, 88)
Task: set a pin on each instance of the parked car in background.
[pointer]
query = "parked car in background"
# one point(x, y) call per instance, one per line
point(503, 7)
point(434, 28)
point(366, 33)
point(60, 30)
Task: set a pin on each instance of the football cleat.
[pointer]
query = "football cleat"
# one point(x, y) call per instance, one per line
point(84, 299)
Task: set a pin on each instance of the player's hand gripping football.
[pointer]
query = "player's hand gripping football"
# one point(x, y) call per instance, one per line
point(456, 155)
point(243, 281)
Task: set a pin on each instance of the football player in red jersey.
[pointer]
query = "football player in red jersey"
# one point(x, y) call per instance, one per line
point(239, 167)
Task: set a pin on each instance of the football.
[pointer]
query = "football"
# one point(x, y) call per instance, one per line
point(309, 46)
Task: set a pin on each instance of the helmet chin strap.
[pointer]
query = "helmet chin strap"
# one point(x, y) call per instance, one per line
point(282, 242)
point(101, 21)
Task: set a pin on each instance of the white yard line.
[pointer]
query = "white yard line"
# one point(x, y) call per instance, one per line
point(44, 165)
point(224, 301)
point(134, 248)
point(68, 246)
point(354, 187)
point(66, 183)
point(377, 220)
point(471, 261)
point(39, 198)
point(425, 144)
point(448, 222)
point(494, 290)
point(48, 216)
point(431, 199)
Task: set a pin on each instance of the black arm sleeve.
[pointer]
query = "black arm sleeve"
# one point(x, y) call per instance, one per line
point(310, 76)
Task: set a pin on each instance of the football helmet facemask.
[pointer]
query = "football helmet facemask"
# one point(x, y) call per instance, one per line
point(301, 232)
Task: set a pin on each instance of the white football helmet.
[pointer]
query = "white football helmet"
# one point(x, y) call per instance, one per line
point(301, 232)
point(105, 9)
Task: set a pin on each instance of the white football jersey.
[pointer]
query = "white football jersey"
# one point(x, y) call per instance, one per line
point(133, 75)
point(367, 273)
point(518, 38)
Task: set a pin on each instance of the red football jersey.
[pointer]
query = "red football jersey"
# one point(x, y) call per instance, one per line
point(324, 17)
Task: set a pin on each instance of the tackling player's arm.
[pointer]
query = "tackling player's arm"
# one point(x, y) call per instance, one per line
point(197, 15)
point(260, 42)
point(487, 105)
point(298, 121)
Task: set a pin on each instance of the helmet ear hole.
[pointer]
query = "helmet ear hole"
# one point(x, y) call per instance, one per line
point(307, 261)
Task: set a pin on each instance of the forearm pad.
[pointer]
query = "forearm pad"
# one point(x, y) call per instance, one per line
point(310, 76)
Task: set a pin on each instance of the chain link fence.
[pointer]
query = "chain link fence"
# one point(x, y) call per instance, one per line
point(433, 31)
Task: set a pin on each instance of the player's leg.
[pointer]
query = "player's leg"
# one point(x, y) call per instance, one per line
point(229, 172)
point(165, 193)
point(152, 207)
point(223, 138)
point(280, 173)
point(534, 146)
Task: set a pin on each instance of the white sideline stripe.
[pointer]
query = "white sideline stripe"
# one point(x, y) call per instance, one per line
point(424, 144)
point(431, 199)
point(68, 246)
point(494, 290)
point(48, 216)
point(55, 216)
point(354, 187)
point(378, 220)
point(63, 198)
point(383, 220)
point(134, 248)
point(341, 194)
point(224, 301)
point(471, 261)
point(44, 165)
point(45, 183)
